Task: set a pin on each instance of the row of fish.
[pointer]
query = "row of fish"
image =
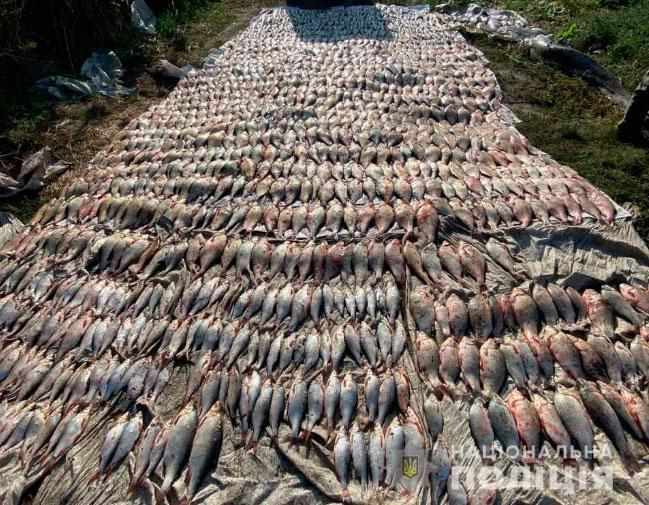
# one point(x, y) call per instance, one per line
point(327, 220)
point(357, 263)
point(85, 333)
point(530, 362)
point(180, 299)
point(37, 374)
point(565, 418)
point(607, 312)
point(211, 183)
point(313, 198)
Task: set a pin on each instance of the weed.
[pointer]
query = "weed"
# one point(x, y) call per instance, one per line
point(179, 13)
point(167, 25)
point(568, 33)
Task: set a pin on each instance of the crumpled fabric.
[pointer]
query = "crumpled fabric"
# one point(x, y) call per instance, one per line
point(103, 72)
point(143, 17)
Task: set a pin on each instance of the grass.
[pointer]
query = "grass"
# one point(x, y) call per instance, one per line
point(181, 12)
point(573, 123)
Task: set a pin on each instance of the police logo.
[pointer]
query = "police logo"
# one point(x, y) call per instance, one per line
point(410, 466)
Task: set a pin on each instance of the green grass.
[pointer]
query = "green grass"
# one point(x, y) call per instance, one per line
point(181, 12)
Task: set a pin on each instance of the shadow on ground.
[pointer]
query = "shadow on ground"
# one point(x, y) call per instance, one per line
point(337, 21)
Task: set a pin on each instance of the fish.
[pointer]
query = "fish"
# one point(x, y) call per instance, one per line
point(472, 262)
point(636, 296)
point(205, 450)
point(504, 427)
point(501, 255)
point(315, 405)
point(440, 471)
point(621, 306)
point(575, 418)
point(600, 313)
point(348, 400)
point(458, 315)
point(562, 303)
point(606, 350)
point(514, 363)
point(179, 444)
point(527, 421)
point(260, 412)
point(492, 367)
point(525, 311)
point(481, 429)
point(551, 424)
point(640, 350)
point(343, 462)
point(153, 436)
point(449, 362)
point(470, 363)
point(604, 416)
point(371, 390)
point(395, 443)
point(545, 303)
point(564, 352)
point(638, 409)
point(627, 360)
point(276, 411)
point(387, 397)
point(422, 310)
point(376, 456)
point(360, 456)
point(434, 418)
point(427, 357)
point(450, 260)
point(297, 406)
point(616, 401)
point(395, 261)
point(480, 316)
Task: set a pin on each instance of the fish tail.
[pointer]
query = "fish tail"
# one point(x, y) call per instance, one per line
point(133, 486)
point(630, 463)
point(442, 390)
point(159, 494)
point(164, 489)
point(94, 477)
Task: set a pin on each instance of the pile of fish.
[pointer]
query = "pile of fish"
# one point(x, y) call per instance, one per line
point(313, 249)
